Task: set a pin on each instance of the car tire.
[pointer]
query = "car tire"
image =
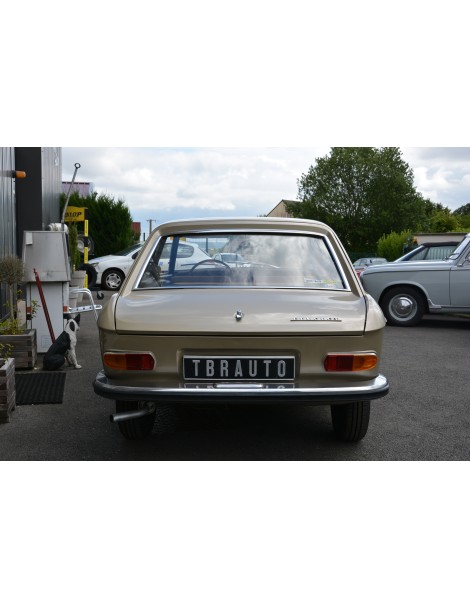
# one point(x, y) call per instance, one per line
point(112, 280)
point(135, 429)
point(91, 274)
point(350, 421)
point(403, 306)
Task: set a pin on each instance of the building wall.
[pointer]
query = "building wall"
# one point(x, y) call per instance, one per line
point(280, 210)
point(30, 203)
point(7, 212)
point(7, 202)
point(84, 189)
point(51, 163)
point(438, 237)
point(38, 195)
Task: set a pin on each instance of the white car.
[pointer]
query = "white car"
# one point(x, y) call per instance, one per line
point(111, 270)
point(188, 254)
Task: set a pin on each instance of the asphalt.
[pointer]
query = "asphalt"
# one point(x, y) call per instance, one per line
point(59, 431)
point(425, 416)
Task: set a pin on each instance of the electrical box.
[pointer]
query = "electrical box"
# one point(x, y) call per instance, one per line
point(47, 252)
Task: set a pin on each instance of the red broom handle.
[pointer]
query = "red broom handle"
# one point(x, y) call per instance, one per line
point(43, 301)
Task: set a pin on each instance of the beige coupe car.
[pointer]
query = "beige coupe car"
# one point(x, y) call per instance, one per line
point(291, 325)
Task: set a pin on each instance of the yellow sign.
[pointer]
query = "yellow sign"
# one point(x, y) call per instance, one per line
point(75, 214)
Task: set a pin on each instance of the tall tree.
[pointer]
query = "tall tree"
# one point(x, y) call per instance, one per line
point(362, 193)
point(110, 223)
point(463, 210)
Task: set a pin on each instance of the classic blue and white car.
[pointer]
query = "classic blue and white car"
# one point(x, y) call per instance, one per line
point(408, 290)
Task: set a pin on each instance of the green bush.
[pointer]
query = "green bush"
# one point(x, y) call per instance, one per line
point(392, 246)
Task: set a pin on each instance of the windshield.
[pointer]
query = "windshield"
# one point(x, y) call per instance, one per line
point(255, 260)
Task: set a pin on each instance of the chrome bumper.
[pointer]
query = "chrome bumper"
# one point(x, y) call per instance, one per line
point(232, 392)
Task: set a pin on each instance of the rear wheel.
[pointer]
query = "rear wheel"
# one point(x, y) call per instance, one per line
point(350, 421)
point(403, 306)
point(135, 429)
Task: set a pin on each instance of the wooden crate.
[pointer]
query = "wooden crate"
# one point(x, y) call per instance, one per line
point(7, 389)
point(25, 348)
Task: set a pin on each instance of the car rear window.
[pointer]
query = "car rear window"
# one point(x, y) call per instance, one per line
point(255, 260)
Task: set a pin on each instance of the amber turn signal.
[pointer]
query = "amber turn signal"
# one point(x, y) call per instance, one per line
point(129, 361)
point(350, 362)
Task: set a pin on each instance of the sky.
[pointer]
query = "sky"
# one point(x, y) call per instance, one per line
point(161, 184)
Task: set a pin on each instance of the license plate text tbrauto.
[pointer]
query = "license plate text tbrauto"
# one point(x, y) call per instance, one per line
point(241, 368)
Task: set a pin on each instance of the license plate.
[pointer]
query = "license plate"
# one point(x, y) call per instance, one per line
point(242, 368)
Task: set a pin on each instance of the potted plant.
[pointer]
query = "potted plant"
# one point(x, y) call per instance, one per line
point(13, 329)
point(7, 383)
point(75, 257)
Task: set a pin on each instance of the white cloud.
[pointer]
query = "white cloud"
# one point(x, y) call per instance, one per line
point(441, 174)
point(433, 183)
point(172, 182)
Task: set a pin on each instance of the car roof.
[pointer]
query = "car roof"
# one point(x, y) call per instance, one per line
point(243, 223)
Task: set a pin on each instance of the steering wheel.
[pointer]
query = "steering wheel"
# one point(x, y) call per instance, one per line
point(154, 270)
point(211, 260)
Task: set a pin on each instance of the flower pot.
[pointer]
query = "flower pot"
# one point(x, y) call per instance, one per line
point(7, 389)
point(78, 281)
point(24, 347)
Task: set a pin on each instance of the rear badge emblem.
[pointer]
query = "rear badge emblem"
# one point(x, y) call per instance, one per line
point(239, 315)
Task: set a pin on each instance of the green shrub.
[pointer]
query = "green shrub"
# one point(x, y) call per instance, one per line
point(392, 246)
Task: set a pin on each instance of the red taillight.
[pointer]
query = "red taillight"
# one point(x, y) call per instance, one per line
point(129, 361)
point(350, 362)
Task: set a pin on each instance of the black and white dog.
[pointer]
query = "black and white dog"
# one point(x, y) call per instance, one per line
point(63, 349)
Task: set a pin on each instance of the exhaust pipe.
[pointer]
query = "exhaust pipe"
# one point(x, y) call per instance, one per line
point(133, 414)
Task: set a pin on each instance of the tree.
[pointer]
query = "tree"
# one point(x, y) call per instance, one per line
point(443, 221)
point(360, 192)
point(439, 219)
point(110, 222)
point(464, 210)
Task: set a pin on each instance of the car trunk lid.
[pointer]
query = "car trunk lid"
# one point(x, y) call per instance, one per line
point(240, 312)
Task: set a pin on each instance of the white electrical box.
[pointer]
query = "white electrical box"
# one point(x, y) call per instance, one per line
point(47, 252)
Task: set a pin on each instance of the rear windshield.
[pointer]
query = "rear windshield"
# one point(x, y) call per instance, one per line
point(254, 260)
point(434, 253)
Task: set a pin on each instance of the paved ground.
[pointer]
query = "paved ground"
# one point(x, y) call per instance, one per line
point(426, 416)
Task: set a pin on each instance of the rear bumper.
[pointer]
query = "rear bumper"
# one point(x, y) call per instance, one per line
point(234, 393)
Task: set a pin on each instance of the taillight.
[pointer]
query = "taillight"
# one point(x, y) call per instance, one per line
point(350, 362)
point(129, 361)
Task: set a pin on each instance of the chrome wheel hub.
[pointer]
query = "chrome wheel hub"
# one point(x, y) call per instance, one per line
point(403, 306)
